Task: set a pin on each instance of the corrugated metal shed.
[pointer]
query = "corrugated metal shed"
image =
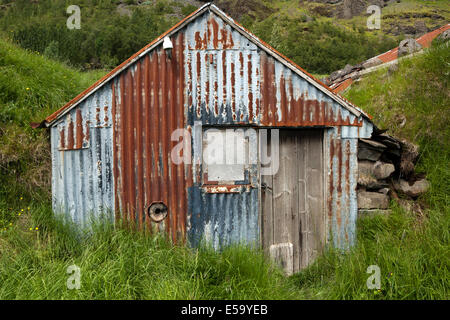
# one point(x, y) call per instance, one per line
point(112, 144)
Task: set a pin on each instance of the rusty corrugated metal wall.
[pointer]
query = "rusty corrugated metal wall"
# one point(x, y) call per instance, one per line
point(216, 76)
point(222, 82)
point(82, 160)
point(148, 106)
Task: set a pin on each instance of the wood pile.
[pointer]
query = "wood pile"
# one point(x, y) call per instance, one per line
point(385, 171)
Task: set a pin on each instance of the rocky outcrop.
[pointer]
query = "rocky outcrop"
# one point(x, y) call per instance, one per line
point(346, 9)
point(444, 36)
point(408, 46)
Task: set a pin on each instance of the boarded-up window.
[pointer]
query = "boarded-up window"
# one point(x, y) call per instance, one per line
point(225, 155)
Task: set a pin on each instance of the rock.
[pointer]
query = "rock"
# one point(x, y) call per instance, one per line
point(367, 177)
point(372, 62)
point(351, 8)
point(343, 72)
point(408, 46)
point(369, 182)
point(335, 75)
point(366, 180)
point(408, 158)
point(389, 141)
point(323, 10)
point(407, 30)
point(384, 190)
point(382, 170)
point(412, 189)
point(365, 167)
point(368, 154)
point(444, 36)
point(370, 149)
point(347, 69)
point(363, 213)
point(372, 200)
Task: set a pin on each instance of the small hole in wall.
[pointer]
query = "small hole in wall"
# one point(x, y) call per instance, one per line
point(157, 211)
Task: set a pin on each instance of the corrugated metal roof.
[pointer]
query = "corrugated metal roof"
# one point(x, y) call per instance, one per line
point(424, 41)
point(262, 45)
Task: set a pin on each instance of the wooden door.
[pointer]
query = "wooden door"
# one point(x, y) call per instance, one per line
point(293, 219)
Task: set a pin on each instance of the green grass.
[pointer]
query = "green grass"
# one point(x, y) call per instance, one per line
point(411, 249)
point(31, 87)
point(118, 264)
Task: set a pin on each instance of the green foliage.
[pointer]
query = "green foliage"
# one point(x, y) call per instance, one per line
point(31, 87)
point(105, 39)
point(413, 258)
point(119, 264)
point(320, 46)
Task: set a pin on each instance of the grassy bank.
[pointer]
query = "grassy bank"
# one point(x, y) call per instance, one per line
point(31, 87)
point(36, 251)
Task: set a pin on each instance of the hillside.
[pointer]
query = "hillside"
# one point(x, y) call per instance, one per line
point(321, 36)
point(31, 86)
point(410, 247)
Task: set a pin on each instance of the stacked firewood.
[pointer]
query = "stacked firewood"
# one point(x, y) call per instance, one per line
point(386, 168)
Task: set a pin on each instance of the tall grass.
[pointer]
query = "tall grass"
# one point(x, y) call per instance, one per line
point(119, 264)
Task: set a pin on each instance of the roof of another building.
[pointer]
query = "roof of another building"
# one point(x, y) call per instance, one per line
point(343, 82)
point(424, 41)
point(209, 6)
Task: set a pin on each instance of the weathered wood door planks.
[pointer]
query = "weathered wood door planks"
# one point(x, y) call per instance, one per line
point(292, 200)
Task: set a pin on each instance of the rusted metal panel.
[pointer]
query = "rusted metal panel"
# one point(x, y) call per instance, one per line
point(148, 106)
point(222, 73)
point(223, 218)
point(82, 179)
point(289, 100)
point(342, 168)
point(224, 214)
point(210, 32)
point(219, 33)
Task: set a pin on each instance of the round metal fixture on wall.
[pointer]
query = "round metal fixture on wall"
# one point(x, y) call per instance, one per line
point(157, 211)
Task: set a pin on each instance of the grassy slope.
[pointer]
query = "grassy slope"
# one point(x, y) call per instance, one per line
point(31, 87)
point(319, 44)
point(412, 251)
